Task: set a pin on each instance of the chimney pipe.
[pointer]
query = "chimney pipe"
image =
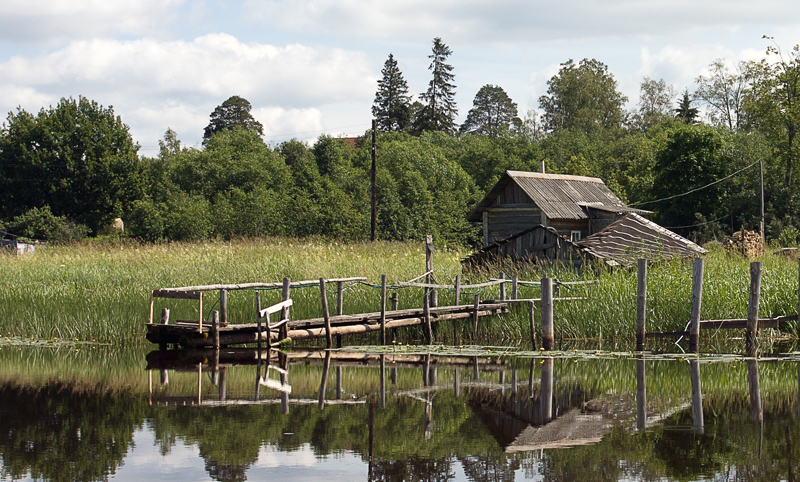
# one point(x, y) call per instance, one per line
point(543, 171)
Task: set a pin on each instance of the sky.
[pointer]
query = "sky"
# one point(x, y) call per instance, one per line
point(310, 67)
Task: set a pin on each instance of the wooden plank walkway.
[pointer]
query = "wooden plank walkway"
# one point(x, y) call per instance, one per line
point(192, 334)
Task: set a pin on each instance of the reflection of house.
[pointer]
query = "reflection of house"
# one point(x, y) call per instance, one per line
point(556, 217)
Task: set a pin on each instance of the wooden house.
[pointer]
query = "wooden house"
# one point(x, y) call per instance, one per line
point(557, 217)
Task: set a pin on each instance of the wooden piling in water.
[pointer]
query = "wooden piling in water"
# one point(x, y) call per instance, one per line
point(502, 287)
point(532, 320)
point(383, 310)
point(476, 305)
point(325, 315)
point(339, 307)
point(548, 335)
point(165, 316)
point(286, 294)
point(754, 385)
point(641, 394)
point(457, 289)
point(426, 314)
point(697, 396)
point(394, 299)
point(215, 328)
point(258, 319)
point(641, 304)
point(752, 307)
point(697, 300)
point(223, 306)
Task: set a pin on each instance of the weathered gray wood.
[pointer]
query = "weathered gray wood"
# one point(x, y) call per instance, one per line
point(258, 318)
point(180, 295)
point(515, 287)
point(283, 305)
point(215, 328)
point(339, 297)
point(503, 287)
point(532, 321)
point(325, 317)
point(324, 382)
point(697, 300)
point(286, 294)
point(697, 396)
point(383, 309)
point(339, 382)
point(394, 299)
point(548, 336)
point(641, 304)
point(426, 313)
point(165, 316)
point(434, 298)
point(429, 250)
point(383, 382)
point(752, 306)
point(223, 306)
point(475, 318)
point(457, 289)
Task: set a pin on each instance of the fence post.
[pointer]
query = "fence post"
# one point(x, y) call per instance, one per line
point(547, 313)
point(383, 309)
point(531, 318)
point(476, 305)
point(325, 317)
point(458, 290)
point(752, 307)
point(514, 287)
point(641, 305)
point(394, 301)
point(502, 287)
point(697, 300)
point(284, 329)
point(223, 307)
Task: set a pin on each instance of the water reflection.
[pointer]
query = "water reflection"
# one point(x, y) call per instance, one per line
point(429, 418)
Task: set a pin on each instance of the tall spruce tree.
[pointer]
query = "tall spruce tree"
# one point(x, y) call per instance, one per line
point(391, 107)
point(685, 112)
point(440, 109)
point(492, 113)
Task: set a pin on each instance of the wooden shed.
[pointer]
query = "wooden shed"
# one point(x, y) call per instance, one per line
point(575, 206)
point(568, 219)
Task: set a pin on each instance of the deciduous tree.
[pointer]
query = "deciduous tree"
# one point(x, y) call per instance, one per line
point(583, 97)
point(723, 91)
point(233, 112)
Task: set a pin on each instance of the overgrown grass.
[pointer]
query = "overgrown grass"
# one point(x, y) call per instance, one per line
point(101, 291)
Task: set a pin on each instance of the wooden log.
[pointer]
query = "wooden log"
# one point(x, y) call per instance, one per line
point(532, 321)
point(457, 289)
point(697, 300)
point(475, 318)
point(283, 305)
point(200, 314)
point(286, 295)
point(178, 295)
point(515, 287)
point(339, 297)
point(752, 307)
point(641, 304)
point(548, 336)
point(503, 287)
point(258, 319)
point(434, 298)
point(249, 286)
point(383, 310)
point(223, 306)
point(325, 316)
point(426, 313)
point(215, 328)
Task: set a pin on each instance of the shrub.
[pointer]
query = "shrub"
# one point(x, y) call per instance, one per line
point(42, 224)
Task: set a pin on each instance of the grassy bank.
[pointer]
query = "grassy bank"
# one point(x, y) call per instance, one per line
point(101, 291)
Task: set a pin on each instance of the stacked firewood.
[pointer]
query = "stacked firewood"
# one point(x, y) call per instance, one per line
point(746, 243)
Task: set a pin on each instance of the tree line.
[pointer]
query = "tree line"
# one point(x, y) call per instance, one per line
point(70, 169)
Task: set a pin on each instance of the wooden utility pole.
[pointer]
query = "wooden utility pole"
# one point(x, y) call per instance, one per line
point(374, 231)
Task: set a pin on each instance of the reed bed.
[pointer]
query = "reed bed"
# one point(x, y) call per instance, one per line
point(100, 291)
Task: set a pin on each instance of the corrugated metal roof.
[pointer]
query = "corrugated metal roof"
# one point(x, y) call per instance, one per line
point(559, 196)
point(634, 237)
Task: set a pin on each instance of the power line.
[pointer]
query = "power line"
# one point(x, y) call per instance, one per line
point(698, 224)
point(695, 189)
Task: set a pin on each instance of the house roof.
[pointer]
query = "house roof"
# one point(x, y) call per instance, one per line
point(633, 237)
point(559, 196)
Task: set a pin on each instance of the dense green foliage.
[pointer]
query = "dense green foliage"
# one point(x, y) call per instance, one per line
point(78, 160)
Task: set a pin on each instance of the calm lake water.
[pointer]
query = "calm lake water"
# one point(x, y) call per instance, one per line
point(96, 413)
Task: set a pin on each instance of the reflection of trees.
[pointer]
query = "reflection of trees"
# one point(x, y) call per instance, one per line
point(414, 469)
point(59, 433)
point(490, 468)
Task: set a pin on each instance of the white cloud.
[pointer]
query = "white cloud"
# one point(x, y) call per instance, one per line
point(51, 21)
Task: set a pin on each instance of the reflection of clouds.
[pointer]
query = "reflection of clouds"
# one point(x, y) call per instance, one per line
point(270, 457)
point(144, 462)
